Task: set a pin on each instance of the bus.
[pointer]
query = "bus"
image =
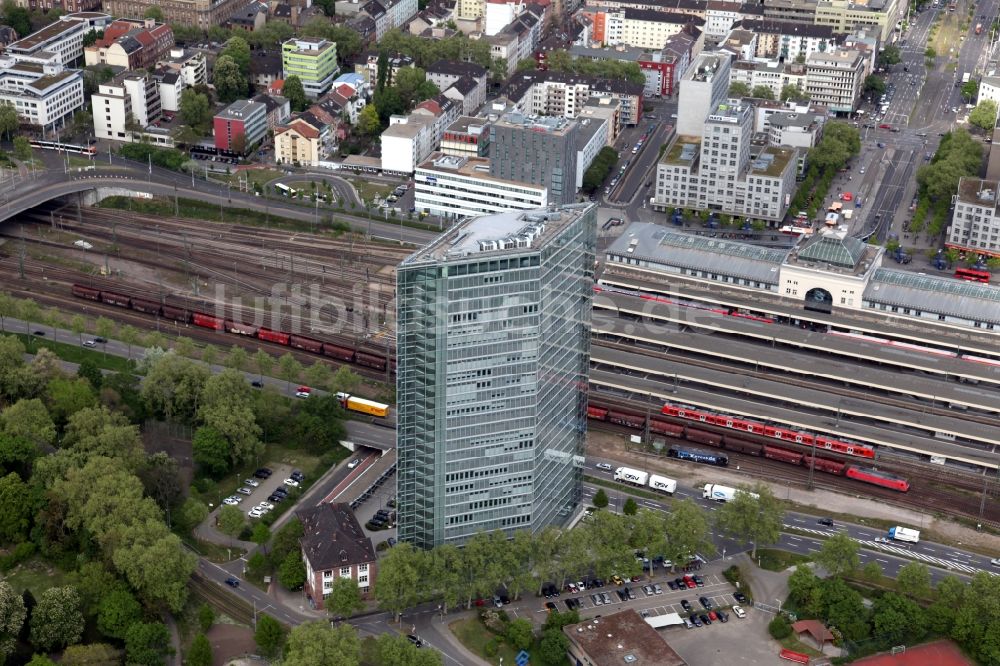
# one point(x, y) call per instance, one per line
point(89, 149)
point(973, 275)
point(284, 190)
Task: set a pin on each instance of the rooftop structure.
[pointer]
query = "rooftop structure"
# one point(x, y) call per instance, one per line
point(620, 639)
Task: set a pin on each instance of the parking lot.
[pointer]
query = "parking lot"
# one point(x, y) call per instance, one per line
point(266, 486)
point(737, 642)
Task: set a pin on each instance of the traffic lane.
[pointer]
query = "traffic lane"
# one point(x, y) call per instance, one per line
point(259, 599)
point(633, 182)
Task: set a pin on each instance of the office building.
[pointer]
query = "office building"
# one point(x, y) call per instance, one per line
point(835, 79)
point(240, 126)
point(313, 60)
point(131, 100)
point(975, 225)
point(456, 187)
point(703, 87)
point(466, 137)
point(45, 100)
point(493, 349)
point(199, 13)
point(59, 43)
point(551, 93)
point(538, 151)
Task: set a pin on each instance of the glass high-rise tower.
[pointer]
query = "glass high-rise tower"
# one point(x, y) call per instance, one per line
point(493, 352)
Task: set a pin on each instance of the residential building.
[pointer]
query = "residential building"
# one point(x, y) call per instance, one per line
point(798, 129)
point(604, 108)
point(793, 11)
point(443, 111)
point(356, 82)
point(538, 151)
point(266, 67)
point(334, 546)
point(199, 13)
point(170, 87)
point(242, 122)
point(131, 44)
point(835, 79)
point(454, 186)
point(720, 17)
point(551, 93)
point(703, 87)
point(989, 89)
point(300, 141)
point(368, 66)
point(975, 225)
point(59, 43)
point(388, 14)
point(620, 638)
point(279, 109)
point(406, 142)
point(313, 60)
point(493, 350)
point(592, 136)
point(43, 97)
point(844, 16)
point(772, 74)
point(721, 170)
point(470, 10)
point(658, 67)
point(444, 73)
point(643, 28)
point(466, 137)
point(467, 93)
point(789, 41)
point(125, 106)
point(249, 18)
point(189, 64)
point(500, 13)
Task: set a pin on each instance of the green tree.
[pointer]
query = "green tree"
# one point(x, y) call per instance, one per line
point(200, 652)
point(18, 507)
point(9, 122)
point(264, 362)
point(237, 359)
point(269, 636)
point(757, 519)
point(839, 555)
point(118, 611)
point(970, 89)
point(687, 531)
point(292, 573)
point(94, 654)
point(344, 599)
point(147, 643)
point(154, 13)
point(227, 407)
point(600, 500)
point(553, 646)
point(874, 85)
point(290, 369)
point(889, 55)
point(914, 580)
point(630, 508)
point(520, 633)
point(872, 573)
point(238, 49)
point(230, 84)
point(526, 64)
point(90, 371)
point(66, 397)
point(12, 615)
point(22, 148)
point(802, 586)
point(898, 619)
point(739, 89)
point(845, 609)
point(28, 419)
point(18, 18)
point(295, 93)
point(206, 617)
point(369, 124)
point(762, 92)
point(57, 620)
point(779, 628)
point(984, 116)
point(398, 651)
point(195, 109)
point(398, 578)
point(231, 520)
point(319, 644)
point(173, 387)
point(793, 93)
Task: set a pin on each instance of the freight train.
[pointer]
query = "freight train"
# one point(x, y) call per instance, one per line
point(730, 442)
point(183, 315)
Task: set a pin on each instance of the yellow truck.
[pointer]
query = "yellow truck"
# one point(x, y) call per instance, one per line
point(356, 404)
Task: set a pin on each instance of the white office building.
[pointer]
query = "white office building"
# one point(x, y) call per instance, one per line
point(835, 79)
point(975, 226)
point(406, 142)
point(45, 97)
point(131, 97)
point(457, 187)
point(703, 87)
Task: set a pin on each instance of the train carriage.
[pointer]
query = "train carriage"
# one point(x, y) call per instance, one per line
point(664, 428)
point(743, 446)
point(176, 314)
point(240, 328)
point(86, 292)
point(878, 478)
point(788, 435)
point(703, 437)
point(626, 419)
point(338, 352)
point(111, 298)
point(207, 321)
point(370, 360)
point(717, 459)
point(308, 344)
point(598, 413)
point(825, 465)
point(143, 305)
point(784, 455)
point(273, 336)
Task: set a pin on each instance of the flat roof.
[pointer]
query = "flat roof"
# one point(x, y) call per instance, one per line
point(938, 294)
point(499, 234)
point(472, 167)
point(676, 154)
point(622, 639)
point(979, 192)
point(657, 244)
point(45, 35)
point(772, 161)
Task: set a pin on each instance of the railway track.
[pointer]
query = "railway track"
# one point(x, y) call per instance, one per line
point(828, 387)
point(962, 498)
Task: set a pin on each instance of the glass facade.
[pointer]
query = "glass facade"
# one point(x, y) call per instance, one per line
point(493, 352)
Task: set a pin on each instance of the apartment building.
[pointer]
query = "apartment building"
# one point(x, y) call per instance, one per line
point(845, 16)
point(789, 41)
point(334, 546)
point(199, 13)
point(131, 44)
point(720, 170)
point(642, 28)
point(130, 100)
point(406, 142)
point(550, 93)
point(300, 141)
point(773, 74)
point(313, 60)
point(835, 79)
point(493, 344)
point(188, 63)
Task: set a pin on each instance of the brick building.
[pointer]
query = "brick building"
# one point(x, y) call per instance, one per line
point(334, 546)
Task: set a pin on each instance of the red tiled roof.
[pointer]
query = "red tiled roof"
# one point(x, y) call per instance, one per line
point(815, 628)
point(431, 106)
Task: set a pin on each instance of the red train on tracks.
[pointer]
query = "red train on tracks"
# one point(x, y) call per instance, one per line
point(731, 442)
point(724, 421)
point(339, 352)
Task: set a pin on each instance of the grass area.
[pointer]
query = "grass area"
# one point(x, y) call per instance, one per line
point(368, 190)
point(35, 575)
point(793, 643)
point(73, 353)
point(778, 560)
point(626, 490)
point(198, 210)
point(250, 176)
point(474, 636)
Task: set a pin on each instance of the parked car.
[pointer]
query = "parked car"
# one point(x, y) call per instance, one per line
point(251, 482)
point(549, 606)
point(739, 612)
point(606, 597)
point(705, 602)
point(722, 615)
point(262, 473)
point(231, 501)
point(695, 621)
point(297, 475)
point(254, 513)
point(291, 483)
point(597, 599)
point(657, 589)
point(740, 597)
point(622, 594)
point(705, 619)
point(244, 491)
point(699, 581)
point(686, 605)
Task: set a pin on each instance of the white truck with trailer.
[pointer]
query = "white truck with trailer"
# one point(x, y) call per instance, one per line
point(633, 476)
point(662, 483)
point(904, 534)
point(714, 491)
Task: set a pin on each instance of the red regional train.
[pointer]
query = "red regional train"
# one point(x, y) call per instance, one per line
point(730, 442)
point(744, 425)
point(214, 323)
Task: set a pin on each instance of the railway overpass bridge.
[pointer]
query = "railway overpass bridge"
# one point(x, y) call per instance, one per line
point(129, 179)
